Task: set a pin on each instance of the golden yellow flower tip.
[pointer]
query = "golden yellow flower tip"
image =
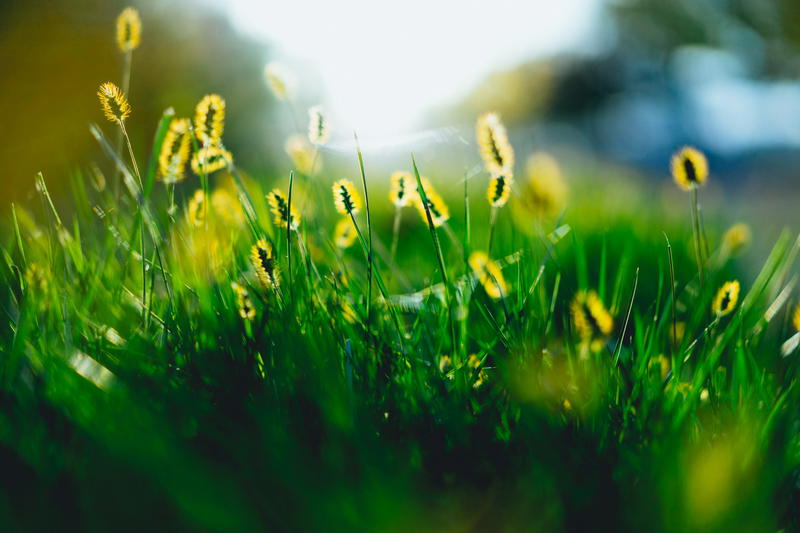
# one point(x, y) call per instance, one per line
point(438, 209)
point(445, 364)
point(279, 206)
point(302, 154)
point(346, 198)
point(318, 128)
point(796, 318)
point(483, 377)
point(175, 151)
point(210, 159)
point(499, 190)
point(402, 188)
point(196, 210)
point(689, 168)
point(496, 151)
point(279, 79)
point(736, 238)
point(344, 234)
point(246, 309)
point(488, 274)
point(726, 298)
point(209, 120)
point(114, 103)
point(543, 192)
point(473, 361)
point(591, 319)
point(263, 261)
point(129, 30)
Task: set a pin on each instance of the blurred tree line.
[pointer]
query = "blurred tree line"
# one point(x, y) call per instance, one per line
point(55, 54)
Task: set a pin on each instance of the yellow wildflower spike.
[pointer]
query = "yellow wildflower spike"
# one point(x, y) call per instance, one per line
point(499, 190)
point(263, 261)
point(346, 198)
point(438, 209)
point(302, 154)
point(591, 319)
point(445, 364)
point(736, 238)
point(210, 159)
point(689, 168)
point(129, 30)
point(114, 103)
point(279, 79)
point(227, 207)
point(496, 151)
point(279, 206)
point(175, 151)
point(209, 120)
point(402, 188)
point(246, 309)
point(196, 210)
point(344, 234)
point(726, 299)
point(488, 274)
point(318, 128)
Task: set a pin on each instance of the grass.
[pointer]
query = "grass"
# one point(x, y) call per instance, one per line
point(135, 396)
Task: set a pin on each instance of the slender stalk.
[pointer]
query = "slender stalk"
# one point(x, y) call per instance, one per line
point(369, 231)
point(126, 83)
point(289, 236)
point(492, 221)
point(145, 309)
point(395, 232)
point(696, 231)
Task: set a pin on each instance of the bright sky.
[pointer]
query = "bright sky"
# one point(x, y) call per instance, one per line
point(383, 63)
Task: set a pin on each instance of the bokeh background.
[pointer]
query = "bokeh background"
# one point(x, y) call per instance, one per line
point(604, 84)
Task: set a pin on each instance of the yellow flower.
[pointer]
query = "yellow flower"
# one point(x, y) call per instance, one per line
point(302, 154)
point(496, 151)
point(726, 298)
point(279, 206)
point(473, 361)
point(662, 364)
point(246, 309)
point(796, 318)
point(344, 234)
point(346, 198)
point(499, 190)
point(209, 120)
point(113, 102)
point(438, 209)
point(543, 192)
point(210, 159)
point(129, 29)
point(445, 364)
point(279, 79)
point(175, 151)
point(263, 261)
point(488, 274)
point(196, 210)
point(318, 128)
point(689, 168)
point(736, 238)
point(591, 319)
point(402, 188)
point(227, 207)
point(483, 377)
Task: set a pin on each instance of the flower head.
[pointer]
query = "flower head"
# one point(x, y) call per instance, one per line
point(402, 188)
point(736, 238)
point(210, 159)
point(114, 103)
point(264, 264)
point(499, 190)
point(129, 30)
point(279, 79)
point(726, 298)
point(209, 120)
point(196, 210)
point(279, 206)
point(346, 198)
point(246, 309)
point(591, 319)
point(318, 128)
point(488, 274)
point(175, 151)
point(302, 154)
point(496, 151)
point(689, 168)
point(543, 192)
point(436, 206)
point(344, 234)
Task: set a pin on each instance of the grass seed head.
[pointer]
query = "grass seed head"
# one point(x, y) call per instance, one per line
point(113, 102)
point(499, 190)
point(302, 154)
point(318, 128)
point(196, 209)
point(346, 198)
point(402, 188)
point(264, 264)
point(209, 120)
point(726, 299)
point(175, 151)
point(689, 168)
point(129, 30)
point(280, 80)
point(344, 234)
point(210, 159)
point(440, 213)
point(279, 206)
point(591, 319)
point(488, 274)
point(495, 150)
